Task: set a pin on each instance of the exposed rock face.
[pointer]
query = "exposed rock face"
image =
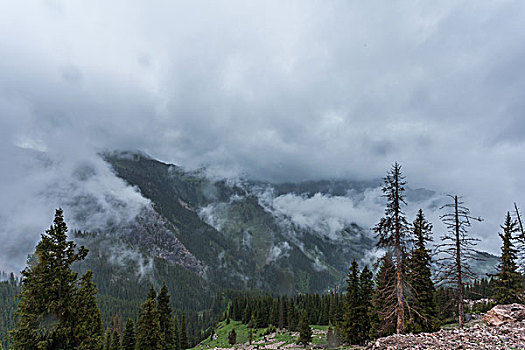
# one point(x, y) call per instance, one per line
point(502, 314)
point(156, 236)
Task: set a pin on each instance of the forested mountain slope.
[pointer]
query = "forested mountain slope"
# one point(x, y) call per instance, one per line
point(240, 241)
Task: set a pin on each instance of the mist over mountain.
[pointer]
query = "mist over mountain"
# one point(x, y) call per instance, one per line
point(303, 92)
point(146, 222)
point(228, 148)
point(232, 232)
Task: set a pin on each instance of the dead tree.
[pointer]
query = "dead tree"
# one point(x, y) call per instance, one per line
point(520, 240)
point(518, 217)
point(456, 250)
point(393, 235)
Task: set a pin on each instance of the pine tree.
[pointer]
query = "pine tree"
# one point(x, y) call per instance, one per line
point(383, 320)
point(89, 329)
point(46, 313)
point(115, 341)
point(183, 334)
point(107, 339)
point(128, 340)
point(422, 309)
point(247, 314)
point(232, 337)
point(305, 332)
point(166, 319)
point(274, 313)
point(261, 315)
point(509, 282)
point(250, 327)
point(282, 312)
point(349, 329)
point(332, 318)
point(176, 332)
point(148, 335)
point(392, 233)
point(325, 309)
point(292, 317)
point(366, 291)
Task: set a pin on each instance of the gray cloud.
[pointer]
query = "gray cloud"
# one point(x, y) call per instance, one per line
point(282, 91)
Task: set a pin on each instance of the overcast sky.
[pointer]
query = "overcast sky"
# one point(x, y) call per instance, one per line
point(277, 90)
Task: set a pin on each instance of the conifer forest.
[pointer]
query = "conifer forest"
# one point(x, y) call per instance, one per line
point(409, 289)
point(262, 175)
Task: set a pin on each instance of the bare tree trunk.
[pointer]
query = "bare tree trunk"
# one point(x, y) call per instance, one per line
point(458, 266)
point(400, 309)
point(519, 220)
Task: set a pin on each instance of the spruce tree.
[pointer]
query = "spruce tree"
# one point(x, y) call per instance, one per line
point(89, 329)
point(366, 291)
point(274, 313)
point(166, 319)
point(333, 309)
point(250, 327)
point(232, 337)
point(509, 282)
point(422, 308)
point(393, 233)
point(183, 334)
point(282, 312)
point(247, 314)
point(128, 340)
point(383, 318)
point(325, 308)
point(349, 329)
point(115, 340)
point(261, 315)
point(176, 332)
point(107, 339)
point(291, 316)
point(46, 313)
point(148, 335)
point(305, 332)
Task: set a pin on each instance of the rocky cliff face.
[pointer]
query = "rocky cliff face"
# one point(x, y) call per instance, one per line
point(156, 237)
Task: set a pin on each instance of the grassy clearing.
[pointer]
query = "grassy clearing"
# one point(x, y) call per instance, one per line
point(243, 332)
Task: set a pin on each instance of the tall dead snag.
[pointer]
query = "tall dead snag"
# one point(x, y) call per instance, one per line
point(392, 233)
point(520, 239)
point(456, 250)
point(518, 217)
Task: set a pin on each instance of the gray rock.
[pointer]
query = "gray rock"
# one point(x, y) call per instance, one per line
point(502, 314)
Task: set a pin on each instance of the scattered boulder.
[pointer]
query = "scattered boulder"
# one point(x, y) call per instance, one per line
point(509, 336)
point(503, 328)
point(502, 314)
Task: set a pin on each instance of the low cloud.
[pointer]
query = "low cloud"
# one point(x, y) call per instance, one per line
point(92, 197)
point(270, 90)
point(329, 215)
point(278, 251)
point(126, 257)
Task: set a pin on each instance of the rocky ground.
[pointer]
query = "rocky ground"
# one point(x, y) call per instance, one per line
point(502, 328)
point(479, 336)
